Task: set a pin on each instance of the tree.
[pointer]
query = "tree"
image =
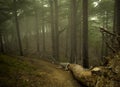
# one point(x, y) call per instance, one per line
point(43, 27)
point(27, 34)
point(36, 26)
point(54, 28)
point(85, 34)
point(73, 32)
point(17, 28)
point(1, 43)
point(117, 19)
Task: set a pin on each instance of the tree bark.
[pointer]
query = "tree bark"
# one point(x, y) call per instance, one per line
point(85, 34)
point(37, 29)
point(1, 43)
point(73, 32)
point(43, 28)
point(17, 28)
point(54, 28)
point(27, 35)
point(56, 31)
point(117, 18)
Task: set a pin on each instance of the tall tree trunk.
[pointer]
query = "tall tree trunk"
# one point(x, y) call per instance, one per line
point(66, 43)
point(52, 26)
point(1, 43)
point(43, 28)
point(37, 30)
point(85, 34)
point(117, 19)
point(56, 30)
point(27, 35)
point(80, 33)
point(73, 32)
point(103, 44)
point(43, 31)
point(17, 28)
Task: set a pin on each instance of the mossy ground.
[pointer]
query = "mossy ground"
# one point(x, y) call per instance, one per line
point(28, 72)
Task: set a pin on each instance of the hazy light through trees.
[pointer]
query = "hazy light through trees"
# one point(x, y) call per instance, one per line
point(44, 23)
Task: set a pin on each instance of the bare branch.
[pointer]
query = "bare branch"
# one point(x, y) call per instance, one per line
point(105, 30)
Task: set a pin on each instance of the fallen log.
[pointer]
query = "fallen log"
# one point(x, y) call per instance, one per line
point(102, 76)
point(84, 76)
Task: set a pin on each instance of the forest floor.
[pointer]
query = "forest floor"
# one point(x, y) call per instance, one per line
point(31, 72)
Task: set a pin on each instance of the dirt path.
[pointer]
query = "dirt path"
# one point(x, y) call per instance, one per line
point(31, 72)
point(49, 75)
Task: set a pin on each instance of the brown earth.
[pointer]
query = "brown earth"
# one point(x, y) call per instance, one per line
point(31, 72)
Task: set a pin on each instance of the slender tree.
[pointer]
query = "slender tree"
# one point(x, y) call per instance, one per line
point(85, 34)
point(1, 43)
point(73, 31)
point(17, 28)
point(54, 28)
point(43, 27)
point(27, 34)
point(37, 27)
point(117, 18)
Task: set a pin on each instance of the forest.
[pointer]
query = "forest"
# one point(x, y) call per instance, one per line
point(59, 43)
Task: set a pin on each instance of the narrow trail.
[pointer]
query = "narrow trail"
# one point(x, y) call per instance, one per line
point(32, 72)
point(52, 76)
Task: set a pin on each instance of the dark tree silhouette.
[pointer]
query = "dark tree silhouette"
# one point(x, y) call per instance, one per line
point(85, 34)
point(73, 31)
point(54, 28)
point(1, 43)
point(43, 27)
point(17, 28)
point(117, 18)
point(37, 28)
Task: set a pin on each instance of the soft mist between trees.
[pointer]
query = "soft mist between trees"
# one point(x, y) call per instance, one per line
point(61, 30)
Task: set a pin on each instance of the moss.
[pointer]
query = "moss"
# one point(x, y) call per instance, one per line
point(31, 72)
point(11, 71)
